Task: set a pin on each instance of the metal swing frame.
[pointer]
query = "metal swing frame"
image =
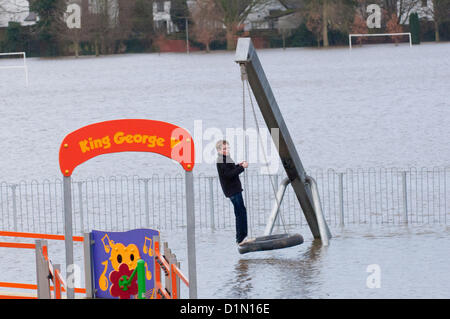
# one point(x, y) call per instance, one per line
point(304, 186)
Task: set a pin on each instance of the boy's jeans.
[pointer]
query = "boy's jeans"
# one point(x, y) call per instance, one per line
point(241, 216)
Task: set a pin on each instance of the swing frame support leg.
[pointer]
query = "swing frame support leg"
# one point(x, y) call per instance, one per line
point(325, 233)
point(276, 206)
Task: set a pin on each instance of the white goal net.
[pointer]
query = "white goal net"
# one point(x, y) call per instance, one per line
point(8, 60)
point(396, 36)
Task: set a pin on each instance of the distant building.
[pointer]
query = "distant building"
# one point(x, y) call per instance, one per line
point(274, 14)
point(161, 16)
point(18, 11)
point(423, 8)
point(15, 11)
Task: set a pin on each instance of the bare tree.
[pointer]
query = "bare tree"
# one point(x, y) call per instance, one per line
point(359, 26)
point(440, 12)
point(232, 15)
point(320, 15)
point(393, 26)
point(207, 25)
point(14, 8)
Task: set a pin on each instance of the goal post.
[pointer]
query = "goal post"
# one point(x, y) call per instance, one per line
point(350, 36)
point(22, 66)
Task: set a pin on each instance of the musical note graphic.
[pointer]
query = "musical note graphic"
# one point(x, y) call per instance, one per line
point(107, 245)
point(148, 249)
point(103, 282)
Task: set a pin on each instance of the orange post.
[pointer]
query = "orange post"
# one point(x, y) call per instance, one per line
point(57, 282)
point(56, 275)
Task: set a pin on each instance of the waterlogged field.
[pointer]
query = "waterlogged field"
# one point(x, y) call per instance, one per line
point(370, 107)
point(376, 106)
point(360, 262)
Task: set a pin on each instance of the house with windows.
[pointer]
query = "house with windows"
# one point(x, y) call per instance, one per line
point(16, 11)
point(274, 15)
point(161, 16)
point(423, 8)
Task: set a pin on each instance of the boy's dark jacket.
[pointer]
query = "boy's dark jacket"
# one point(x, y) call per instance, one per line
point(229, 175)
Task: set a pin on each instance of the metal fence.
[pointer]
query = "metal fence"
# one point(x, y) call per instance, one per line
point(361, 196)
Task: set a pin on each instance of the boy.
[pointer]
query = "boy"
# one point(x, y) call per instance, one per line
point(232, 188)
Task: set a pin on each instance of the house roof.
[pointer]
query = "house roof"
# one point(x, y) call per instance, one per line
point(31, 17)
point(292, 4)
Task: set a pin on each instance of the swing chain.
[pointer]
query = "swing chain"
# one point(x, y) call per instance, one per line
point(244, 78)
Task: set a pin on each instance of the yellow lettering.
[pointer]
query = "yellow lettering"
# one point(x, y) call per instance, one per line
point(106, 142)
point(137, 138)
point(129, 139)
point(118, 137)
point(84, 147)
point(91, 144)
point(152, 141)
point(98, 143)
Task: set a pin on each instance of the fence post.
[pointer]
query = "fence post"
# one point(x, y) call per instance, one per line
point(42, 279)
point(88, 271)
point(80, 201)
point(405, 198)
point(56, 281)
point(14, 198)
point(211, 202)
point(147, 204)
point(341, 199)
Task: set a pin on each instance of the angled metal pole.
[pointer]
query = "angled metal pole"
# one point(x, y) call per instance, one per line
point(246, 56)
point(190, 220)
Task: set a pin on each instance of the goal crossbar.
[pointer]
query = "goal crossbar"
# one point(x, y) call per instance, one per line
point(23, 66)
point(375, 35)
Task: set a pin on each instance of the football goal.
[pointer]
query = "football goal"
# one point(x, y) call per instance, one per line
point(9, 56)
point(402, 34)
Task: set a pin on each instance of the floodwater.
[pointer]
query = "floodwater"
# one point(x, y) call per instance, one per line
point(360, 262)
point(412, 262)
point(375, 106)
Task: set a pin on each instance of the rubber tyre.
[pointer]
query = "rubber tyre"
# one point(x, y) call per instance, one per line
point(271, 242)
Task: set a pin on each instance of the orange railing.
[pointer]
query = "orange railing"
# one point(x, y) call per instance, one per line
point(170, 270)
point(54, 274)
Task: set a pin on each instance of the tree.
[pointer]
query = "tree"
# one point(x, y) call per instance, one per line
point(14, 38)
point(179, 12)
point(314, 24)
point(321, 15)
point(207, 25)
point(100, 22)
point(392, 26)
point(50, 14)
point(232, 15)
point(414, 26)
point(142, 23)
point(440, 12)
point(359, 26)
point(401, 8)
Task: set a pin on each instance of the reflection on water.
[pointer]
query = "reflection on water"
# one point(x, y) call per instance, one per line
point(292, 272)
point(413, 263)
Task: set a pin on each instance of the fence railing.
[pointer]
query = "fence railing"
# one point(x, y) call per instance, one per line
point(352, 196)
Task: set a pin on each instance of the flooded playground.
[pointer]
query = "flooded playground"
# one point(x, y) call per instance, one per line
point(377, 106)
point(411, 262)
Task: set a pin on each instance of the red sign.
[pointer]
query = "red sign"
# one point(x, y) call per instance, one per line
point(126, 136)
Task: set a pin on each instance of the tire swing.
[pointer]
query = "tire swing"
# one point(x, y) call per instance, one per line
point(268, 241)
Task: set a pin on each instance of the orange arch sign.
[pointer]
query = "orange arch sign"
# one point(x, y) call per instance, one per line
point(128, 135)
